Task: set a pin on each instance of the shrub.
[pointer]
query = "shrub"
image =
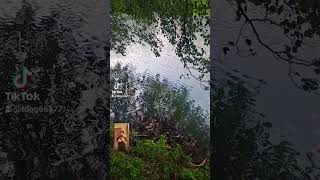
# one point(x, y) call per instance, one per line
point(155, 160)
point(125, 167)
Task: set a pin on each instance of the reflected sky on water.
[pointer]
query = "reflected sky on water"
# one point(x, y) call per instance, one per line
point(168, 65)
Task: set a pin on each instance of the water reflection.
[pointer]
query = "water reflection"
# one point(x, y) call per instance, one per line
point(168, 65)
point(271, 45)
point(68, 69)
point(181, 22)
point(163, 48)
point(172, 42)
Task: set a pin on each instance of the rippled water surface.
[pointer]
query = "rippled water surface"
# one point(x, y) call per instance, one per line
point(293, 111)
point(63, 45)
point(167, 65)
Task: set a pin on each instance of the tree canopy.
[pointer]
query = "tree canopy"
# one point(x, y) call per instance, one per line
point(182, 22)
point(297, 21)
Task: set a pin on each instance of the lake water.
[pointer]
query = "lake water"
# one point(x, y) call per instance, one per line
point(294, 113)
point(63, 44)
point(168, 65)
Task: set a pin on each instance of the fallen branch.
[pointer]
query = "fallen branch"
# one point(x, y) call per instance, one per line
point(198, 165)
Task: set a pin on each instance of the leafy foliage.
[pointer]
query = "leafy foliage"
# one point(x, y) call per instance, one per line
point(126, 167)
point(296, 21)
point(176, 129)
point(121, 107)
point(180, 21)
point(174, 111)
point(162, 108)
point(151, 159)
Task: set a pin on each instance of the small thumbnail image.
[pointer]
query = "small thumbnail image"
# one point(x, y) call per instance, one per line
point(121, 137)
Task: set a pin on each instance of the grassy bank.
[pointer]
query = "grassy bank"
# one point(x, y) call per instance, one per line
point(155, 159)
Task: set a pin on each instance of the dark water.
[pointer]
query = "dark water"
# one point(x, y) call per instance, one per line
point(249, 53)
point(63, 46)
point(293, 111)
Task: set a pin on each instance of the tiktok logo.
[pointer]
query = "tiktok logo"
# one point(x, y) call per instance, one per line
point(21, 78)
point(117, 85)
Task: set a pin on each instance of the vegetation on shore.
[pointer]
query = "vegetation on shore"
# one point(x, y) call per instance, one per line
point(175, 143)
